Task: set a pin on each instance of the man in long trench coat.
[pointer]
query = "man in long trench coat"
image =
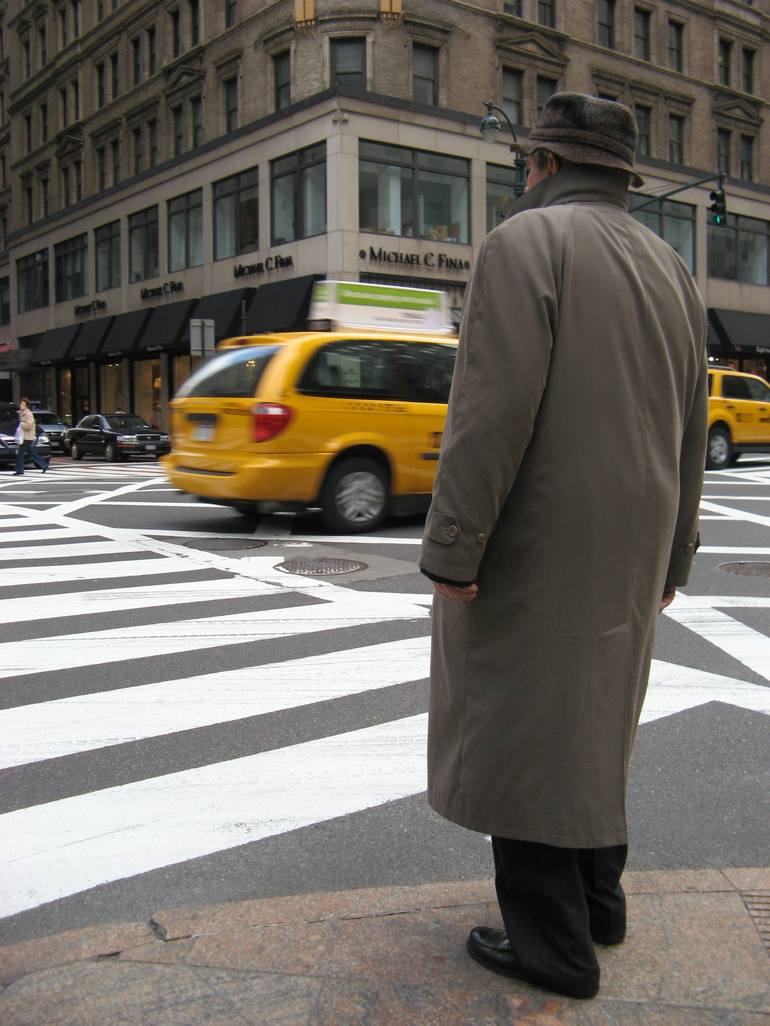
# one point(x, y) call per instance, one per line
point(564, 516)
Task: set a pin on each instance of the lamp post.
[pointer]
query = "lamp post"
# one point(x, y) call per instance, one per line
point(489, 128)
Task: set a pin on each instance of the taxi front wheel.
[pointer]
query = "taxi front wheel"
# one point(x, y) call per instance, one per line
point(355, 496)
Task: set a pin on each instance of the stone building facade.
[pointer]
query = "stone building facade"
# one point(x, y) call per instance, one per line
point(198, 159)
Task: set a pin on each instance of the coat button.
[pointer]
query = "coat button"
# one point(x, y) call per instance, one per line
point(690, 549)
point(453, 530)
point(481, 537)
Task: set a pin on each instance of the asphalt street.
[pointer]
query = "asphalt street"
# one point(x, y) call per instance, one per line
point(184, 722)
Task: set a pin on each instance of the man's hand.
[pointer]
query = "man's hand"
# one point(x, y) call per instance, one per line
point(449, 591)
point(668, 597)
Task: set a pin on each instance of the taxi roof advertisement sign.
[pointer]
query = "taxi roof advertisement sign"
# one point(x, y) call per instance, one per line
point(366, 305)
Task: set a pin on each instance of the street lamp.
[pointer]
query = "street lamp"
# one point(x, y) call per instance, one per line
point(490, 127)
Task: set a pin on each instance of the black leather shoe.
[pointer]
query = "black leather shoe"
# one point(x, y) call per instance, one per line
point(492, 950)
point(609, 938)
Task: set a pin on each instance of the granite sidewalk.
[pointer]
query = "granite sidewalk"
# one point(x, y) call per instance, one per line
point(696, 955)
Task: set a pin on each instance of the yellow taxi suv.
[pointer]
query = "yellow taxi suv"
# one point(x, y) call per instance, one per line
point(738, 416)
point(347, 420)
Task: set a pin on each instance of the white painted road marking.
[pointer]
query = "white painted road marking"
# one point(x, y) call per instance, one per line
point(97, 548)
point(16, 576)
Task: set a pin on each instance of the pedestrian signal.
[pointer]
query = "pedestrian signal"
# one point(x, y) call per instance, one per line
point(718, 206)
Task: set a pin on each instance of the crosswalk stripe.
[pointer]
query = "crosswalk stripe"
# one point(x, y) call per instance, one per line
point(18, 576)
point(90, 603)
point(10, 536)
point(57, 849)
point(97, 548)
point(67, 726)
point(67, 651)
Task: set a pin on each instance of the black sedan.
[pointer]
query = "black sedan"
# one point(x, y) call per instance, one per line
point(116, 436)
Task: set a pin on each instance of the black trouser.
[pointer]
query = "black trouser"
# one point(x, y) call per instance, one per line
point(556, 902)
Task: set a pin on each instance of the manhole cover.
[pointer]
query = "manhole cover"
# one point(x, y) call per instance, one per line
point(320, 567)
point(747, 569)
point(230, 544)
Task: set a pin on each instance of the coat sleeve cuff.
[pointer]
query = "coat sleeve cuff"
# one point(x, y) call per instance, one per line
point(680, 564)
point(450, 552)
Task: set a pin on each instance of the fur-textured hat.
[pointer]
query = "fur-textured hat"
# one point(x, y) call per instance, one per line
point(587, 130)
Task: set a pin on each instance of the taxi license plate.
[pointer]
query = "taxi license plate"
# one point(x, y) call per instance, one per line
point(203, 432)
point(150, 448)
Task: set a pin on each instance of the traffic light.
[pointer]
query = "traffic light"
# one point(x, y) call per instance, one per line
point(718, 206)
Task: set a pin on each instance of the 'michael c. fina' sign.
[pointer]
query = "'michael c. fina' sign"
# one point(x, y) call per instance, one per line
point(431, 261)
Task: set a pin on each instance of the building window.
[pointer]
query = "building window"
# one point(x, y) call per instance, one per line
point(63, 27)
point(236, 214)
point(176, 34)
point(43, 38)
point(348, 62)
point(413, 193)
point(138, 149)
point(70, 260)
point(500, 195)
point(136, 59)
point(152, 142)
point(100, 9)
point(152, 51)
point(5, 296)
point(32, 281)
point(28, 132)
point(747, 158)
point(512, 7)
point(114, 80)
point(546, 13)
point(185, 231)
point(298, 191)
point(747, 73)
point(177, 117)
point(546, 87)
point(425, 74)
point(66, 194)
point(282, 77)
point(196, 118)
point(672, 221)
point(724, 61)
point(78, 167)
point(641, 34)
point(101, 168)
point(676, 138)
point(29, 203)
point(738, 251)
point(45, 197)
point(107, 245)
point(513, 95)
point(231, 13)
point(230, 87)
point(723, 151)
point(76, 100)
point(195, 21)
point(76, 9)
point(676, 45)
point(143, 244)
point(115, 155)
point(100, 86)
point(64, 112)
point(606, 23)
point(26, 56)
point(44, 122)
point(643, 120)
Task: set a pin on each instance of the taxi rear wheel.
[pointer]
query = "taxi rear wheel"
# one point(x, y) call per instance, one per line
point(355, 496)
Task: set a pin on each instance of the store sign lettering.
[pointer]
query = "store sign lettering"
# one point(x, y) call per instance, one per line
point(162, 290)
point(271, 263)
point(92, 307)
point(432, 261)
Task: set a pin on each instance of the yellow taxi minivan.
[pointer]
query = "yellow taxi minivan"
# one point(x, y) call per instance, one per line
point(738, 416)
point(347, 420)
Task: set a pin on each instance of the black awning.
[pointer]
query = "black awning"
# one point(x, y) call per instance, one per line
point(224, 309)
point(91, 336)
point(740, 331)
point(124, 332)
point(281, 305)
point(165, 329)
point(55, 344)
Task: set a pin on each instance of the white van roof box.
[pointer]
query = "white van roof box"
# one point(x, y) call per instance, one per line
point(352, 304)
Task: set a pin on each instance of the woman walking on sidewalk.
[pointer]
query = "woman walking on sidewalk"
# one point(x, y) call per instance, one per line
point(28, 436)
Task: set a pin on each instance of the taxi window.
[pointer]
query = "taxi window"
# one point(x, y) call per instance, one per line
point(734, 387)
point(711, 382)
point(234, 374)
point(428, 370)
point(353, 370)
point(758, 390)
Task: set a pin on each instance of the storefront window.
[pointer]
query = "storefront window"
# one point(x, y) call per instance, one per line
point(143, 244)
point(32, 281)
point(148, 390)
point(107, 244)
point(500, 181)
point(185, 231)
point(112, 398)
point(236, 214)
point(81, 392)
point(64, 397)
point(183, 368)
point(739, 250)
point(299, 194)
point(672, 221)
point(412, 193)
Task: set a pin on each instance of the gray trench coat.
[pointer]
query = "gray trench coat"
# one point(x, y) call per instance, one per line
point(568, 488)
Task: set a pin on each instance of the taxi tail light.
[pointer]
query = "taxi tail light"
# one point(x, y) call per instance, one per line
point(269, 420)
